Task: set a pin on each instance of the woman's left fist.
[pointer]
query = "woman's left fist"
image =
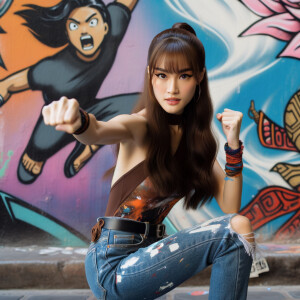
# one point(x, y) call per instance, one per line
point(231, 121)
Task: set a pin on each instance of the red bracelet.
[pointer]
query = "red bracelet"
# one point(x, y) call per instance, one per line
point(234, 160)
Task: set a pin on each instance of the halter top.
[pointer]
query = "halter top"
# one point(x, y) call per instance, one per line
point(132, 196)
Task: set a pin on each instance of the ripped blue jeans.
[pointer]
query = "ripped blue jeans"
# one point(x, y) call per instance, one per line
point(124, 265)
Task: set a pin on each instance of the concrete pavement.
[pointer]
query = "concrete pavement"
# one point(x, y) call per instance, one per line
point(186, 293)
point(53, 273)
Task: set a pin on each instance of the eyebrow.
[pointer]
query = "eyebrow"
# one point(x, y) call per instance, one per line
point(180, 71)
point(74, 20)
point(90, 17)
point(85, 20)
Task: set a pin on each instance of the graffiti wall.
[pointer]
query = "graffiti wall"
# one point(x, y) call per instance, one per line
point(52, 188)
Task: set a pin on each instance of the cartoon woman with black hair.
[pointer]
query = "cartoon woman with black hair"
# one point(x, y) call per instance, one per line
point(92, 33)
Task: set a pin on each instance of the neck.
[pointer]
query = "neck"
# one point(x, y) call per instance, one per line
point(174, 119)
point(88, 58)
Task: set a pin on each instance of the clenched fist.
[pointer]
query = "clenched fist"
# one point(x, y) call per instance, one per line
point(231, 124)
point(63, 114)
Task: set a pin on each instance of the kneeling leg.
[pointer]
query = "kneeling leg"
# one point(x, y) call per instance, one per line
point(231, 269)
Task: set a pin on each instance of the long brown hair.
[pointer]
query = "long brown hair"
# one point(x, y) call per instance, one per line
point(192, 178)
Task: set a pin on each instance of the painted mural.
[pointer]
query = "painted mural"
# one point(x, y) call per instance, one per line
point(52, 187)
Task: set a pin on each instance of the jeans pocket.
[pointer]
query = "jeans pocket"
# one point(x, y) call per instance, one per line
point(91, 272)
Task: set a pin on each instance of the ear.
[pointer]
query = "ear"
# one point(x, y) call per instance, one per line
point(105, 28)
point(202, 75)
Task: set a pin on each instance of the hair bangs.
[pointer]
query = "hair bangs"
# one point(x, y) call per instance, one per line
point(175, 56)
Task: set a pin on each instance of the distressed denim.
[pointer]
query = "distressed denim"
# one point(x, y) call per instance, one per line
point(124, 265)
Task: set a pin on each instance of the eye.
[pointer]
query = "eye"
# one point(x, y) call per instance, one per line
point(93, 22)
point(73, 26)
point(161, 75)
point(185, 76)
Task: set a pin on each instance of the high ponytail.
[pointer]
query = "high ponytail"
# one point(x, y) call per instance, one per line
point(184, 26)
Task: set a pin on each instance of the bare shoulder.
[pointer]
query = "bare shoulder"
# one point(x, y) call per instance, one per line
point(136, 124)
point(141, 113)
point(129, 120)
point(136, 119)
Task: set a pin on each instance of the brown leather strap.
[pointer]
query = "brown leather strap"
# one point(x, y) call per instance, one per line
point(96, 230)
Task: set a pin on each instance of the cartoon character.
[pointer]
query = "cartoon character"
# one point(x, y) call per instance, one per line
point(92, 33)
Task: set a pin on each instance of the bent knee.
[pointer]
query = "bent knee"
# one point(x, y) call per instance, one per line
point(241, 225)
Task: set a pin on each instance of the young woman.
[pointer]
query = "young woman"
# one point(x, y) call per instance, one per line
point(166, 151)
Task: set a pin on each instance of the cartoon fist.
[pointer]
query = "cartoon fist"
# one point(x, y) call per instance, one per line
point(63, 114)
point(4, 93)
point(231, 124)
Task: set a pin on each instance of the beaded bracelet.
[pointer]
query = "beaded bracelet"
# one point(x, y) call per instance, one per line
point(85, 122)
point(234, 161)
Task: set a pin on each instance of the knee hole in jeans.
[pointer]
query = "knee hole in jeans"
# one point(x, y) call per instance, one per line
point(242, 227)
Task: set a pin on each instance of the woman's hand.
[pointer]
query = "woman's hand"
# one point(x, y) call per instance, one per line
point(231, 123)
point(63, 114)
point(4, 92)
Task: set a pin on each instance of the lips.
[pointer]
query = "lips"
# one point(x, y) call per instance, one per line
point(87, 42)
point(172, 101)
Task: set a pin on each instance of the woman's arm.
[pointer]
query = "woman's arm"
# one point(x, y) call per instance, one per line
point(64, 115)
point(17, 82)
point(229, 191)
point(118, 129)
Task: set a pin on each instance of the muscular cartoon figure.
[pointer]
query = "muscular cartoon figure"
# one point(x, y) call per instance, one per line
point(92, 33)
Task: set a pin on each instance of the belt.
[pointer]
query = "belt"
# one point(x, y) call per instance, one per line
point(133, 226)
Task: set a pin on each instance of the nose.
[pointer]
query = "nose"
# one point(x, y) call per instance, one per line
point(84, 29)
point(173, 86)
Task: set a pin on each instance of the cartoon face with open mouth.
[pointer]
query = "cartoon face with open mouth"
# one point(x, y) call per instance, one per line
point(87, 42)
point(86, 30)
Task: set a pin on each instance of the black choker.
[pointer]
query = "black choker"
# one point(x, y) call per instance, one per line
point(174, 119)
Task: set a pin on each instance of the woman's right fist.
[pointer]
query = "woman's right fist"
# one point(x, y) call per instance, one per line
point(63, 114)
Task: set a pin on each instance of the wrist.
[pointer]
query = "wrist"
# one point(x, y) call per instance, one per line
point(234, 160)
point(85, 122)
point(234, 145)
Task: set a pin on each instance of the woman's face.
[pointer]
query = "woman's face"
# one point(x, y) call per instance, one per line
point(173, 91)
point(86, 29)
